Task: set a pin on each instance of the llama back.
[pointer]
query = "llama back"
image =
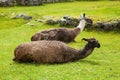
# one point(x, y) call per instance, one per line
point(60, 34)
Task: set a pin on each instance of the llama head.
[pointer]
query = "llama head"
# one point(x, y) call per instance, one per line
point(92, 42)
point(88, 21)
point(82, 22)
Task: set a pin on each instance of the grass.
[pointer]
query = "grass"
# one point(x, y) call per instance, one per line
point(103, 64)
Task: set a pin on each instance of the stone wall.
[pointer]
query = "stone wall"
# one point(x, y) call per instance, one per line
point(6, 2)
point(108, 26)
point(29, 2)
point(54, 1)
point(67, 21)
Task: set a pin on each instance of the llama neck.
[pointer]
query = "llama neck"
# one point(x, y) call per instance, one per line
point(81, 25)
point(76, 31)
point(78, 54)
point(86, 51)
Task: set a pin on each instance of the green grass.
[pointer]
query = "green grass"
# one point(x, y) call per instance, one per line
point(103, 64)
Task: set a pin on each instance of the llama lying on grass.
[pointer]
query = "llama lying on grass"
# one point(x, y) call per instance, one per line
point(60, 34)
point(52, 51)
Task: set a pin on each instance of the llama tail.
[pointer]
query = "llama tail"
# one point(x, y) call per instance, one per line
point(15, 54)
point(82, 23)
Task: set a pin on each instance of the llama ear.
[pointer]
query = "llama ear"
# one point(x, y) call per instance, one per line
point(82, 16)
point(85, 39)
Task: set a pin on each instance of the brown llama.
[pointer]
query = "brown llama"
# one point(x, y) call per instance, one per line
point(52, 51)
point(60, 34)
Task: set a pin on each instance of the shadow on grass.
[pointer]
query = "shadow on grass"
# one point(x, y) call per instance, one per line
point(49, 64)
point(30, 64)
point(89, 62)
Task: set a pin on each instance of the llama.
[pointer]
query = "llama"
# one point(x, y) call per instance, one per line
point(52, 51)
point(60, 34)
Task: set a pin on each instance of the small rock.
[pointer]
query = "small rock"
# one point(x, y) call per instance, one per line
point(52, 22)
point(19, 16)
point(38, 20)
point(31, 24)
point(27, 17)
point(24, 16)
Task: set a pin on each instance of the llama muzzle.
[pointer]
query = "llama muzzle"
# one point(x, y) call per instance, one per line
point(98, 46)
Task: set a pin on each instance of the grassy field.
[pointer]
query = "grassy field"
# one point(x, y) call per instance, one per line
point(103, 64)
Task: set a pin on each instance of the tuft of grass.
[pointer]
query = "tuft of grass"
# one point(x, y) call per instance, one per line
point(102, 64)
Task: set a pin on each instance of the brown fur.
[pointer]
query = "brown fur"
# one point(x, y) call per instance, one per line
point(60, 34)
point(51, 52)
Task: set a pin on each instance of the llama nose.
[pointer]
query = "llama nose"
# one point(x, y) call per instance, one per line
point(98, 46)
